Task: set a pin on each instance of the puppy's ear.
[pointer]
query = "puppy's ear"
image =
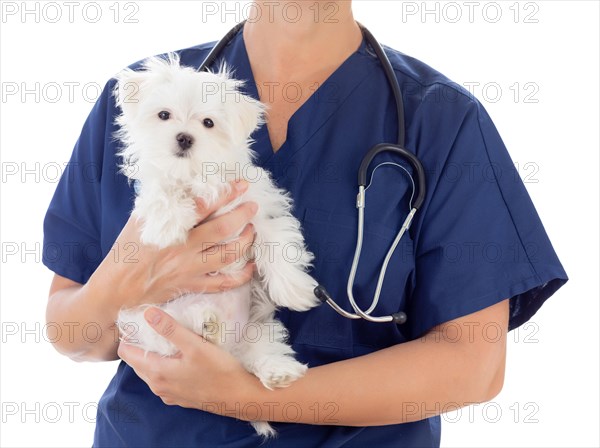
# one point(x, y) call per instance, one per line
point(248, 113)
point(131, 84)
point(127, 91)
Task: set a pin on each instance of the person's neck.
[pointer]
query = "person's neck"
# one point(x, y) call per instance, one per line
point(292, 39)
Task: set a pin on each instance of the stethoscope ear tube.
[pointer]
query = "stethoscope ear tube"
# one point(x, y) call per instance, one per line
point(407, 155)
point(392, 81)
point(218, 48)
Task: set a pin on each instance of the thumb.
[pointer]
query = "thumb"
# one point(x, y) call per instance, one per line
point(165, 325)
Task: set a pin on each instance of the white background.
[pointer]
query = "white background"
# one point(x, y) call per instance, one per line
point(550, 397)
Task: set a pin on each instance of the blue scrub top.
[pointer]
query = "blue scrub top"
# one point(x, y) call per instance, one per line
point(476, 241)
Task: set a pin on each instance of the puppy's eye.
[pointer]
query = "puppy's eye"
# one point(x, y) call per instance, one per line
point(207, 122)
point(164, 115)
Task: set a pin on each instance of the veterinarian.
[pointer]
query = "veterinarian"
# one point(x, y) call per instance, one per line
point(476, 262)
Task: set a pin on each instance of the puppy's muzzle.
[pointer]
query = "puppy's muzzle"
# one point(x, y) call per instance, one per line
point(185, 141)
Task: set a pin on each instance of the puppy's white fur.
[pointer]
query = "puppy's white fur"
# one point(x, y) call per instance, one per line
point(240, 320)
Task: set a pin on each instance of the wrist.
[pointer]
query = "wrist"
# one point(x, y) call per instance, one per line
point(260, 403)
point(250, 401)
point(100, 298)
point(121, 279)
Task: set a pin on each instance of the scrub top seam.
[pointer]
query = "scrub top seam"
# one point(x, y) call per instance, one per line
point(449, 83)
point(432, 190)
point(481, 302)
point(64, 270)
point(516, 228)
point(95, 236)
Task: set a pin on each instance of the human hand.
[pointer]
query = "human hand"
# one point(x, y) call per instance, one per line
point(201, 376)
point(155, 275)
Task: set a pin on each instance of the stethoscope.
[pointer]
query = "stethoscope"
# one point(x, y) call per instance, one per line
point(414, 203)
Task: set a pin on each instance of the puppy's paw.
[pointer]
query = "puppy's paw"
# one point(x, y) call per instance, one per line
point(301, 294)
point(306, 294)
point(263, 429)
point(276, 372)
point(294, 291)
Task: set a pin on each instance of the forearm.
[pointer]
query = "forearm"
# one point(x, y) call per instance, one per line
point(83, 317)
point(403, 383)
point(80, 327)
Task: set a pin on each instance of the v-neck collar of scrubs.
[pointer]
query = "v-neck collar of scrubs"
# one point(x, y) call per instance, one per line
point(313, 114)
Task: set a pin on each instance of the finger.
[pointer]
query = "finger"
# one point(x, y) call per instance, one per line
point(137, 358)
point(238, 187)
point(223, 227)
point(172, 330)
point(224, 282)
point(218, 256)
point(147, 365)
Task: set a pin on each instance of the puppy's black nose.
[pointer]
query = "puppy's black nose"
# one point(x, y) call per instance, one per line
point(185, 140)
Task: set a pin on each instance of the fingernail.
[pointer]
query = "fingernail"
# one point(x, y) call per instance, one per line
point(253, 207)
point(153, 316)
point(240, 184)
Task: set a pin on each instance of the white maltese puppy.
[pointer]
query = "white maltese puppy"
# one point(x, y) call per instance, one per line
point(185, 135)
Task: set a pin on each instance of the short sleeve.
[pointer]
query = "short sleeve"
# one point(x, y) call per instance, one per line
point(480, 239)
point(72, 241)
